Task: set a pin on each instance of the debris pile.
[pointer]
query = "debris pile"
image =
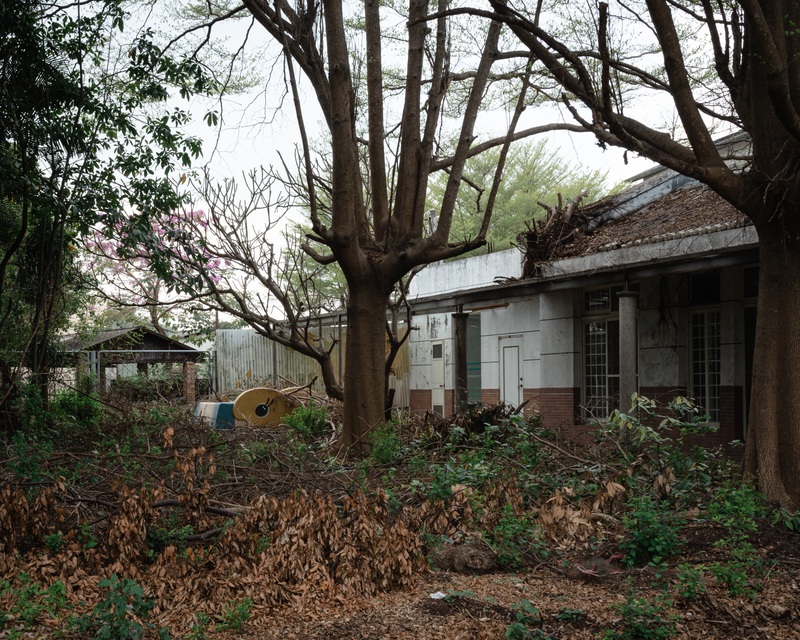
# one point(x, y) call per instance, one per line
point(552, 237)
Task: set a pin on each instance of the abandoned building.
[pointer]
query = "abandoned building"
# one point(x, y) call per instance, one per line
point(652, 290)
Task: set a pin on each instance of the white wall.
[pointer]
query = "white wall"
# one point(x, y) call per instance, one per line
point(458, 275)
point(518, 319)
point(431, 328)
point(560, 339)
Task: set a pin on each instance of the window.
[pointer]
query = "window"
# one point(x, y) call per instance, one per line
point(601, 367)
point(704, 288)
point(706, 362)
point(750, 282)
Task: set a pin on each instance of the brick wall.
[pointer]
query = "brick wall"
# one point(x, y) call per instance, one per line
point(731, 413)
point(490, 396)
point(419, 400)
point(560, 407)
point(533, 406)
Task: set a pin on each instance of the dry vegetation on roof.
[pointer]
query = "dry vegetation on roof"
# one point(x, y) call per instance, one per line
point(571, 230)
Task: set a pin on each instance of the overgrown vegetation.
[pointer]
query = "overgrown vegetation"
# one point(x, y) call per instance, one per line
point(146, 494)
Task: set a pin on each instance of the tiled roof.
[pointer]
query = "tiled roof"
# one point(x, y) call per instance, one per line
point(80, 343)
point(690, 209)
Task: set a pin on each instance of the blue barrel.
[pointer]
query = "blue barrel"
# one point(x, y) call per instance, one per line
point(218, 414)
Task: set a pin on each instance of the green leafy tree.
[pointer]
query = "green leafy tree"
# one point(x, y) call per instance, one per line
point(83, 141)
point(534, 172)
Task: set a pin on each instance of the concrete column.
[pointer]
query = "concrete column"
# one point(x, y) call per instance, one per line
point(188, 381)
point(628, 334)
point(460, 358)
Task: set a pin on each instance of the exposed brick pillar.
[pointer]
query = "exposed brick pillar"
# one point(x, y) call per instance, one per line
point(188, 381)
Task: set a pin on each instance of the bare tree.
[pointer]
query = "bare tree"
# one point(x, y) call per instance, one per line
point(368, 214)
point(754, 86)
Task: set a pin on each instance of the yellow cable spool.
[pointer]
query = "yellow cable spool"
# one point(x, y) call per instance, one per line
point(261, 407)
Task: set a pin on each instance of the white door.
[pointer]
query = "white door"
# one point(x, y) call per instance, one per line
point(437, 377)
point(510, 372)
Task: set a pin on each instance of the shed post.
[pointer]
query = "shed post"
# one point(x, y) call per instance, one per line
point(188, 382)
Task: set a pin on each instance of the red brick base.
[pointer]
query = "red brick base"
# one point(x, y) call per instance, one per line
point(490, 396)
point(419, 400)
point(560, 407)
point(449, 402)
point(731, 413)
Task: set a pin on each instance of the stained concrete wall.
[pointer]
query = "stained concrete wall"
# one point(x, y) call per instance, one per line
point(470, 273)
point(664, 340)
point(430, 328)
point(560, 335)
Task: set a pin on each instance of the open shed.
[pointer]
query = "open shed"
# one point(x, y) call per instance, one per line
point(139, 345)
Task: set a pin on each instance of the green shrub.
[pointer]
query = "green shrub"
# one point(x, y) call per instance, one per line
point(643, 619)
point(736, 507)
point(235, 615)
point(570, 615)
point(652, 532)
point(77, 406)
point(109, 618)
point(31, 601)
point(386, 443)
point(690, 581)
point(309, 422)
point(527, 617)
point(199, 628)
point(514, 537)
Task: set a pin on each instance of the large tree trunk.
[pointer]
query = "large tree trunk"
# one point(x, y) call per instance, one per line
point(364, 386)
point(773, 436)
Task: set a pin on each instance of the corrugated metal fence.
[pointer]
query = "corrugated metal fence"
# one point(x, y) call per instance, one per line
point(245, 358)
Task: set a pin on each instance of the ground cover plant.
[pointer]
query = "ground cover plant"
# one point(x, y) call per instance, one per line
point(145, 523)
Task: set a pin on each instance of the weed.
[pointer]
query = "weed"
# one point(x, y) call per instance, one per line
point(310, 422)
point(31, 600)
point(54, 542)
point(109, 618)
point(159, 538)
point(570, 615)
point(386, 444)
point(514, 537)
point(235, 615)
point(527, 617)
point(643, 619)
point(690, 581)
point(736, 507)
point(452, 594)
point(791, 520)
point(652, 532)
point(199, 628)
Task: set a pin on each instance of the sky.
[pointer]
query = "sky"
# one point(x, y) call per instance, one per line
point(254, 130)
